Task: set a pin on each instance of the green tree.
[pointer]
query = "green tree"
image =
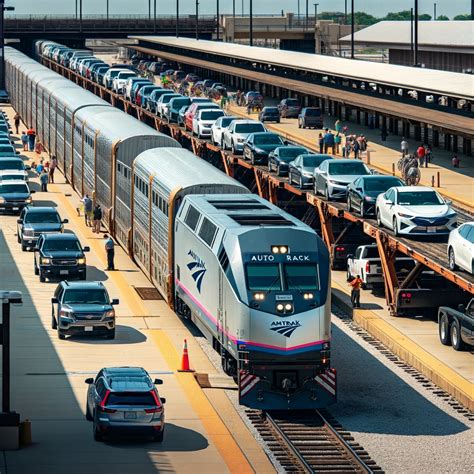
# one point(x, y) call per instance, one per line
point(424, 17)
point(398, 16)
point(362, 18)
point(462, 17)
point(442, 18)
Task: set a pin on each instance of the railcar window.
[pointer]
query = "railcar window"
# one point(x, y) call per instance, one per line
point(263, 277)
point(192, 218)
point(207, 231)
point(301, 277)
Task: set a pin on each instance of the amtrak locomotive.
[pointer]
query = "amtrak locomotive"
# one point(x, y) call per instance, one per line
point(254, 279)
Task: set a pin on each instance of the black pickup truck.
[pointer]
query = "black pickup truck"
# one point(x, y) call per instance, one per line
point(456, 326)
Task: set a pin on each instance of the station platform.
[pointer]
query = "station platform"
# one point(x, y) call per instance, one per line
point(204, 431)
point(456, 184)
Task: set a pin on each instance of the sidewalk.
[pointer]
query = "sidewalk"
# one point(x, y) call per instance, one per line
point(455, 184)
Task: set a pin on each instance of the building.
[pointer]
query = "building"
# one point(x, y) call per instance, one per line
point(446, 45)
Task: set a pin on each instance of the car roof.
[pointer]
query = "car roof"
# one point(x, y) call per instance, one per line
point(86, 285)
point(58, 236)
point(244, 121)
point(348, 161)
point(122, 379)
point(379, 176)
point(40, 209)
point(406, 189)
point(256, 134)
point(16, 181)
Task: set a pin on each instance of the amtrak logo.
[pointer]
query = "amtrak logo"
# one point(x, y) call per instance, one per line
point(197, 268)
point(286, 328)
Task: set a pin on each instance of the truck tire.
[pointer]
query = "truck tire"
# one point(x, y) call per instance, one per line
point(456, 341)
point(443, 328)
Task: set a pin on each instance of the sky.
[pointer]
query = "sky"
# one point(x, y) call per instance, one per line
point(135, 7)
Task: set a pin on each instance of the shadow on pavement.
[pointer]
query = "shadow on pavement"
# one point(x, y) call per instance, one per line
point(124, 335)
point(373, 399)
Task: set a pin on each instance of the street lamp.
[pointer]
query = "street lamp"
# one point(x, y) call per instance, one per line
point(352, 28)
point(2, 47)
point(307, 14)
point(177, 18)
point(251, 23)
point(154, 16)
point(316, 14)
point(415, 55)
point(434, 12)
point(197, 19)
point(217, 16)
point(107, 9)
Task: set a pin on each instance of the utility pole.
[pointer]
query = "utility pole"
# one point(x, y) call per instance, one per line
point(316, 14)
point(177, 18)
point(149, 10)
point(411, 32)
point(298, 10)
point(107, 7)
point(352, 28)
point(251, 23)
point(154, 16)
point(197, 19)
point(217, 16)
point(76, 9)
point(307, 14)
point(80, 16)
point(415, 57)
point(434, 11)
point(345, 12)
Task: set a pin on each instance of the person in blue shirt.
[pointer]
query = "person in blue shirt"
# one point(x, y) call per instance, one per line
point(328, 141)
point(109, 249)
point(44, 178)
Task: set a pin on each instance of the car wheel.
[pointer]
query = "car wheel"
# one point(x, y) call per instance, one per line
point(54, 324)
point(61, 335)
point(159, 436)
point(233, 149)
point(443, 329)
point(278, 170)
point(326, 193)
point(18, 238)
point(110, 334)
point(23, 247)
point(456, 341)
point(349, 203)
point(301, 182)
point(452, 259)
point(379, 220)
point(42, 278)
point(395, 226)
point(252, 159)
point(88, 413)
point(348, 275)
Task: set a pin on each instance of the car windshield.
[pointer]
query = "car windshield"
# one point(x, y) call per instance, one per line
point(292, 102)
point(381, 184)
point(249, 128)
point(178, 103)
point(13, 188)
point(290, 152)
point(126, 75)
point(67, 245)
point(419, 198)
point(313, 161)
point(11, 165)
point(6, 149)
point(214, 115)
point(313, 112)
point(356, 168)
point(372, 252)
point(270, 139)
point(114, 73)
point(226, 121)
point(270, 110)
point(89, 296)
point(263, 277)
point(42, 218)
point(131, 398)
point(301, 277)
point(9, 177)
point(166, 98)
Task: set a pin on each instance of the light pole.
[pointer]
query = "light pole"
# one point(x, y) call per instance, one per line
point(154, 16)
point(434, 12)
point(76, 9)
point(149, 10)
point(316, 14)
point(177, 18)
point(415, 56)
point(107, 10)
point(307, 14)
point(345, 12)
point(251, 23)
point(352, 28)
point(217, 17)
point(298, 10)
point(80, 16)
point(197, 19)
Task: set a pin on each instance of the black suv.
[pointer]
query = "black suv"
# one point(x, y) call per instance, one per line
point(83, 308)
point(35, 221)
point(60, 255)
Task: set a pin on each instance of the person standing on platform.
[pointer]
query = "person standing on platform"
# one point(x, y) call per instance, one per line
point(356, 148)
point(356, 285)
point(328, 141)
point(97, 215)
point(404, 147)
point(88, 209)
point(337, 143)
point(16, 121)
point(420, 153)
point(31, 139)
point(428, 154)
point(52, 168)
point(44, 181)
point(24, 141)
point(338, 126)
point(109, 250)
point(321, 143)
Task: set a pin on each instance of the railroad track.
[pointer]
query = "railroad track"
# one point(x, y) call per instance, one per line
point(308, 442)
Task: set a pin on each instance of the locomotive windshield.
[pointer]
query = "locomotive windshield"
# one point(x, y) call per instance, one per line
point(282, 277)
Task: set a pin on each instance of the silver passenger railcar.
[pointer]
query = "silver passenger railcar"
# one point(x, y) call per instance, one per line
point(162, 177)
point(256, 281)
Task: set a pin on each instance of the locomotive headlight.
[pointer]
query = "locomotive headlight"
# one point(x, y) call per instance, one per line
point(283, 249)
point(259, 296)
point(280, 249)
point(288, 307)
point(275, 249)
point(280, 307)
point(308, 296)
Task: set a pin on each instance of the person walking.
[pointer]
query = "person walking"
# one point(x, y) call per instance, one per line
point(328, 141)
point(337, 143)
point(428, 154)
point(109, 250)
point(420, 153)
point(52, 168)
point(88, 209)
point(404, 147)
point(24, 141)
point(31, 139)
point(338, 126)
point(356, 149)
point(40, 167)
point(321, 143)
point(356, 285)
point(384, 133)
point(16, 121)
point(97, 215)
point(455, 161)
point(44, 181)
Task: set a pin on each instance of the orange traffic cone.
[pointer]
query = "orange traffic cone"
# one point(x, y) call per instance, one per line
point(185, 359)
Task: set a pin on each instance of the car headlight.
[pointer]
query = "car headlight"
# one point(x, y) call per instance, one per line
point(81, 261)
point(66, 313)
point(29, 200)
point(337, 183)
point(29, 232)
point(451, 215)
point(369, 198)
point(407, 216)
point(2, 200)
point(240, 140)
point(307, 175)
point(45, 261)
point(109, 314)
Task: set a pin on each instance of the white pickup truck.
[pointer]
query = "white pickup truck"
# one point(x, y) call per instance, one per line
point(366, 263)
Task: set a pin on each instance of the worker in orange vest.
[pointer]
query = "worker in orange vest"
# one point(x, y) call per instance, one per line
point(356, 285)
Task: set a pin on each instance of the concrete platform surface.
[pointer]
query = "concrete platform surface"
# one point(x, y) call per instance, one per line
point(48, 374)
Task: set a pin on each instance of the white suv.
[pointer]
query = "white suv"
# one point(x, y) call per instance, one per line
point(120, 81)
point(203, 121)
point(234, 136)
